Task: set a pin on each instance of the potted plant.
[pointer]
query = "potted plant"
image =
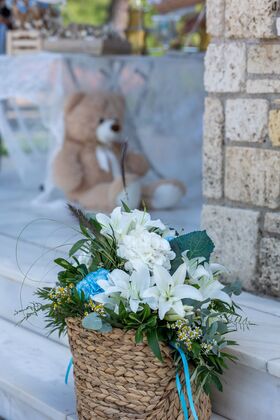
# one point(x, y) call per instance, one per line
point(146, 315)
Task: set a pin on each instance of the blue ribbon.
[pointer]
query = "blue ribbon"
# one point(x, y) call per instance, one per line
point(68, 370)
point(188, 386)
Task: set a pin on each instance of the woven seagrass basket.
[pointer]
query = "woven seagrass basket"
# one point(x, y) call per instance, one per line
point(117, 379)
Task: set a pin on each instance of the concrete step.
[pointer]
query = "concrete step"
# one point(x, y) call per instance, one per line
point(252, 385)
point(25, 267)
point(32, 370)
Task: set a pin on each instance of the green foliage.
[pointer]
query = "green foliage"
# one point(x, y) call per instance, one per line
point(234, 288)
point(91, 12)
point(145, 323)
point(94, 322)
point(197, 243)
point(3, 150)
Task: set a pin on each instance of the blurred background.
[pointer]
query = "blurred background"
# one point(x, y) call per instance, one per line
point(149, 51)
point(152, 53)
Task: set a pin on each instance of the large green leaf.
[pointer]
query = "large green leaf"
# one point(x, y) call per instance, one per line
point(197, 243)
point(153, 342)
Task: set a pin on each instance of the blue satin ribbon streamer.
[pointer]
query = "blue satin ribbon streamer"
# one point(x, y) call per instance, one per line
point(68, 370)
point(182, 397)
point(188, 386)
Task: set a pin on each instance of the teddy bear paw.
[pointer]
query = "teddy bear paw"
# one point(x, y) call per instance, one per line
point(166, 196)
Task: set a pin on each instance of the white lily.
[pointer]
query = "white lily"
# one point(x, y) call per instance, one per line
point(209, 286)
point(169, 291)
point(117, 224)
point(212, 289)
point(120, 223)
point(211, 271)
point(129, 287)
point(142, 218)
point(192, 264)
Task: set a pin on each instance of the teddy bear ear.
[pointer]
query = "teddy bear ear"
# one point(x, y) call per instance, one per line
point(73, 100)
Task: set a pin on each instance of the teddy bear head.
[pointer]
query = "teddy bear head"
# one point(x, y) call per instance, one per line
point(95, 117)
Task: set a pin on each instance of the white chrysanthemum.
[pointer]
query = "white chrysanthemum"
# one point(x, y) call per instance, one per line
point(144, 247)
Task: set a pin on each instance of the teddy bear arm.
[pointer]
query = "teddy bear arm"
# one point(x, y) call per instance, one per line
point(67, 170)
point(137, 164)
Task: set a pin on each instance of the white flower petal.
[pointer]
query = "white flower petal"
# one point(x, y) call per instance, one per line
point(100, 298)
point(162, 278)
point(163, 307)
point(178, 308)
point(179, 276)
point(187, 292)
point(141, 278)
point(201, 272)
point(119, 278)
point(104, 284)
point(103, 219)
point(218, 268)
point(152, 292)
point(134, 305)
point(224, 297)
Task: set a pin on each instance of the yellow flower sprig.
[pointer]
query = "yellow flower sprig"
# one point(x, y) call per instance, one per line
point(185, 333)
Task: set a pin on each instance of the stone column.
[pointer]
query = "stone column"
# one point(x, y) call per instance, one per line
point(242, 140)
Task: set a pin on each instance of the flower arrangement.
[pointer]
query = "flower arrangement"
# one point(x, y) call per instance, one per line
point(133, 273)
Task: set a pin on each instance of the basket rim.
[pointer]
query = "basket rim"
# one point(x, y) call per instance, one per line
point(115, 330)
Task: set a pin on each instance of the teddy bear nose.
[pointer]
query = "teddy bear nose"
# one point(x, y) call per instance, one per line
point(116, 127)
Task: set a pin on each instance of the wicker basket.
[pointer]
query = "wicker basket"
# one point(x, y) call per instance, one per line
point(117, 379)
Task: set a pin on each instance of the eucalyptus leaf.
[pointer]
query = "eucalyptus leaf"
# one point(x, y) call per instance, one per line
point(106, 328)
point(92, 322)
point(234, 288)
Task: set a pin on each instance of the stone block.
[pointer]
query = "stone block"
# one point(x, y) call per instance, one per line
point(225, 67)
point(264, 59)
point(235, 233)
point(215, 17)
point(246, 119)
point(252, 176)
point(274, 127)
point(269, 280)
point(212, 148)
point(272, 222)
point(263, 86)
point(250, 19)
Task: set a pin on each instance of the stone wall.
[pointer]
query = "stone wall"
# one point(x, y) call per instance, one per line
point(242, 140)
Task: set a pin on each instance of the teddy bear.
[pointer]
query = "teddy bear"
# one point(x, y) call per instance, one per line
point(88, 167)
